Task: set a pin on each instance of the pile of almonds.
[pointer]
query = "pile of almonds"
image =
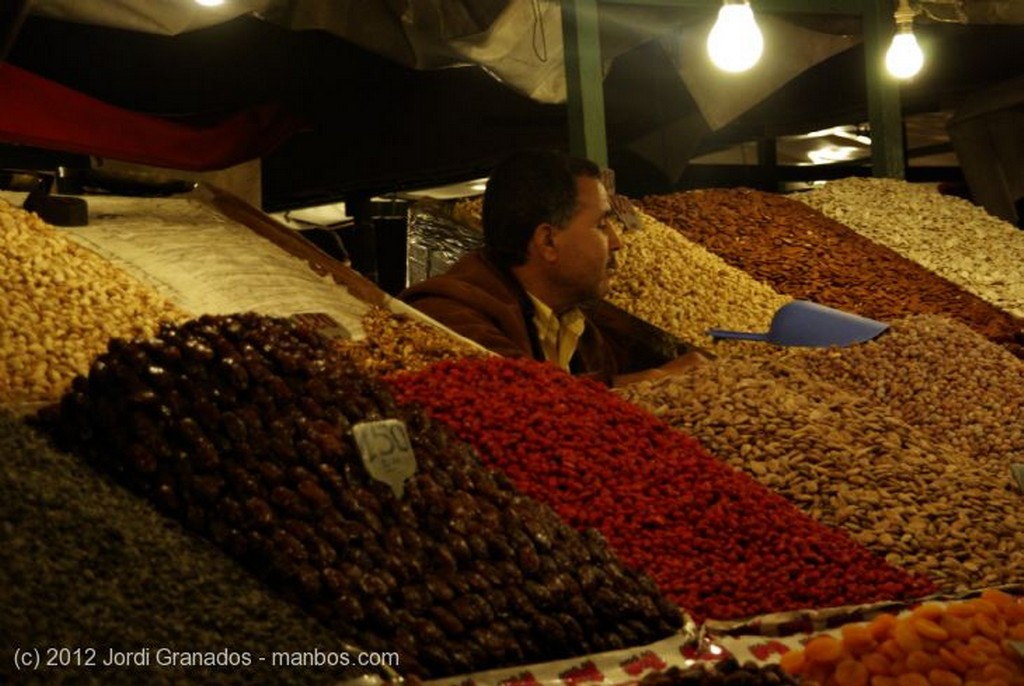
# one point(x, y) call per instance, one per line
point(940, 377)
point(60, 303)
point(851, 462)
point(807, 255)
point(949, 235)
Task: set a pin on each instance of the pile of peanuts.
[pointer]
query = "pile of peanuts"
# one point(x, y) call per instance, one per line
point(397, 342)
point(948, 235)
point(61, 304)
point(850, 462)
point(682, 288)
point(804, 254)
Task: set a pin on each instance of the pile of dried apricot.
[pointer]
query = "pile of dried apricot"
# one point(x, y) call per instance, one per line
point(963, 643)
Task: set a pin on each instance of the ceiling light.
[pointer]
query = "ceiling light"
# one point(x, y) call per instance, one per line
point(828, 154)
point(210, 3)
point(904, 58)
point(735, 42)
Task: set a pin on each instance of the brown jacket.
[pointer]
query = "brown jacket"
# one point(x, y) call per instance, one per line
point(485, 303)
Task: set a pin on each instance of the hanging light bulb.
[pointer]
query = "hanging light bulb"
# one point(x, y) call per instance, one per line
point(904, 58)
point(735, 42)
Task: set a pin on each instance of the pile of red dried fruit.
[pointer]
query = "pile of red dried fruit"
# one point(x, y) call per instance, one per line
point(716, 541)
point(241, 427)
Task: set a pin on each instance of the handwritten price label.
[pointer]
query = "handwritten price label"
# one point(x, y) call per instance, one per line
point(386, 452)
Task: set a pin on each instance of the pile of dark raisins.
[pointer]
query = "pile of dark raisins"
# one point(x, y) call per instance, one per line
point(240, 426)
point(727, 672)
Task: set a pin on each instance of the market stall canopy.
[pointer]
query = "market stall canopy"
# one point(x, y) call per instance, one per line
point(381, 94)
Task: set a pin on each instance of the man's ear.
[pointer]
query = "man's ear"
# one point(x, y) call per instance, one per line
point(542, 244)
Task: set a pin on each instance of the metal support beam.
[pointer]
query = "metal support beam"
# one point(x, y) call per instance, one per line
point(884, 109)
point(767, 162)
point(12, 16)
point(584, 80)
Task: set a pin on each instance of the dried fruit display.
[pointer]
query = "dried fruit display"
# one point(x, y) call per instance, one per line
point(949, 235)
point(936, 644)
point(60, 304)
point(87, 566)
point(240, 427)
point(808, 255)
point(677, 285)
point(716, 541)
point(850, 461)
point(727, 672)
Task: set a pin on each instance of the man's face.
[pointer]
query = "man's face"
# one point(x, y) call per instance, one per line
point(587, 244)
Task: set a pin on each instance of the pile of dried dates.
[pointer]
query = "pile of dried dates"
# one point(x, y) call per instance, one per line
point(241, 426)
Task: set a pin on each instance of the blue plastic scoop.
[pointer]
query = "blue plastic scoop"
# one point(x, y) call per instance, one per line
point(808, 324)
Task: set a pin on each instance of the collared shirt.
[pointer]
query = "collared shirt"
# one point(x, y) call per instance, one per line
point(558, 336)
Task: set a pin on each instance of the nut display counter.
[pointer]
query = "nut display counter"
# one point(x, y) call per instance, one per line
point(141, 261)
point(909, 443)
point(228, 470)
point(888, 273)
point(240, 428)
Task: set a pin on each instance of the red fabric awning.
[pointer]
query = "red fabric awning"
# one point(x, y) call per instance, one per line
point(38, 112)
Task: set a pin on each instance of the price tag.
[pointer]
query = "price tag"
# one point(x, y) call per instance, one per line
point(1017, 469)
point(386, 452)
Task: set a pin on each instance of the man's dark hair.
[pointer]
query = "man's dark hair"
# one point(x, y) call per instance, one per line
point(527, 189)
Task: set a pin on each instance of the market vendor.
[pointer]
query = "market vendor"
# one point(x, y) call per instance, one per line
point(549, 249)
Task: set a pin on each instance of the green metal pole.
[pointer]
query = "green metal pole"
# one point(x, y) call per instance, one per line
point(584, 80)
point(884, 112)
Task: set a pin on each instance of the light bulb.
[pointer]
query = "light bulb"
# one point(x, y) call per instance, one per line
point(904, 58)
point(210, 3)
point(735, 43)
